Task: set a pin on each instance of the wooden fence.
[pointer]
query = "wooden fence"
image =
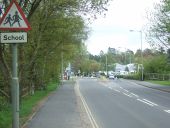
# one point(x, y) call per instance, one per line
point(157, 76)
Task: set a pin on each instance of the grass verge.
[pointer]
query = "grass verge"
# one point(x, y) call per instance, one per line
point(166, 83)
point(27, 106)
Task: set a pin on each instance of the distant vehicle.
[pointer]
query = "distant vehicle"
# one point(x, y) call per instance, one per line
point(111, 76)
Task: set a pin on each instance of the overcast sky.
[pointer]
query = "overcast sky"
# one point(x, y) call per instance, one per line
point(113, 30)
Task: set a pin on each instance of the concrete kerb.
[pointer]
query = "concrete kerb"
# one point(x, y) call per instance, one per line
point(152, 87)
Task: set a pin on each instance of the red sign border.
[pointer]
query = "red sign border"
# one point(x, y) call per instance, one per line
point(22, 14)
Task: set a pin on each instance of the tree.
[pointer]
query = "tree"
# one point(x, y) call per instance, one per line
point(55, 24)
point(168, 56)
point(129, 56)
point(159, 28)
point(157, 64)
point(147, 52)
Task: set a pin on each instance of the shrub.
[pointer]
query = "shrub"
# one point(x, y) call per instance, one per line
point(133, 76)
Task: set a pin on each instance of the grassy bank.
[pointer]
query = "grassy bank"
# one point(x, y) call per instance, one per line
point(167, 83)
point(26, 107)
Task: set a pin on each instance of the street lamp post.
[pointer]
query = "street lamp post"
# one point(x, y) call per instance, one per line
point(62, 64)
point(106, 66)
point(141, 51)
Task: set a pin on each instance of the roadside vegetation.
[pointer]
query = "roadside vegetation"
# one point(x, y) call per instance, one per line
point(28, 105)
point(58, 32)
point(166, 83)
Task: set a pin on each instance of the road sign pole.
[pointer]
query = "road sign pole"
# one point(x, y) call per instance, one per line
point(14, 19)
point(15, 88)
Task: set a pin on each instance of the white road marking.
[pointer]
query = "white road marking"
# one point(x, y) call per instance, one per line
point(125, 90)
point(150, 102)
point(134, 95)
point(145, 102)
point(110, 87)
point(121, 87)
point(168, 111)
point(127, 95)
point(116, 90)
point(88, 111)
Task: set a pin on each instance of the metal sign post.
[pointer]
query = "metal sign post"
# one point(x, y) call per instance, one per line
point(14, 20)
point(15, 88)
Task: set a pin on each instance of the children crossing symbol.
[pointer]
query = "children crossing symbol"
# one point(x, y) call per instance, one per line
point(8, 20)
point(17, 19)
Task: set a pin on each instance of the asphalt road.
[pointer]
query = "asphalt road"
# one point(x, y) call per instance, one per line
point(123, 104)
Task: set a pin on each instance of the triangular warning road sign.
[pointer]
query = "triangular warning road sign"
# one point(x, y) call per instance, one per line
point(14, 19)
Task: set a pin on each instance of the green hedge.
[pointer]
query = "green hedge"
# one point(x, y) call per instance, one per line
point(131, 76)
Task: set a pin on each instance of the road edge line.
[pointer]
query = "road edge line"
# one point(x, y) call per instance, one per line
point(90, 116)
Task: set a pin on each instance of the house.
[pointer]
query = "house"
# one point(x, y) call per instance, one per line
point(125, 69)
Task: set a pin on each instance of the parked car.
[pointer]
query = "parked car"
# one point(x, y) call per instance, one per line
point(111, 76)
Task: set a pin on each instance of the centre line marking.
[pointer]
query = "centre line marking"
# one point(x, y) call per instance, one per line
point(110, 87)
point(116, 90)
point(125, 90)
point(150, 102)
point(134, 94)
point(127, 95)
point(145, 102)
point(168, 111)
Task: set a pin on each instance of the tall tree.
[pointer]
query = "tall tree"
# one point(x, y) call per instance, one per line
point(55, 24)
point(159, 28)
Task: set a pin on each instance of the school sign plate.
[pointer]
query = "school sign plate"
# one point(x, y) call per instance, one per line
point(17, 37)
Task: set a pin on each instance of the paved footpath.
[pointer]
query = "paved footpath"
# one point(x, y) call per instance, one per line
point(63, 109)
